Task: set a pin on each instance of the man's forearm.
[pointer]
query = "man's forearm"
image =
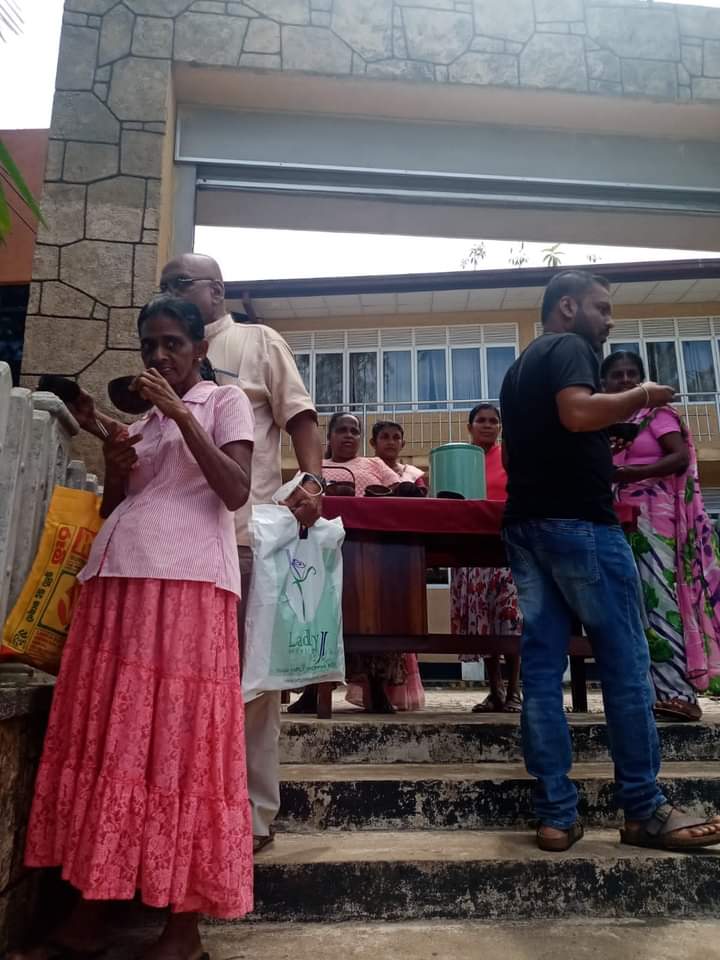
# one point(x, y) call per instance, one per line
point(305, 437)
point(585, 412)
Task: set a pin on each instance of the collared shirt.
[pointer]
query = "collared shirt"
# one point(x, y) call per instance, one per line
point(256, 358)
point(172, 525)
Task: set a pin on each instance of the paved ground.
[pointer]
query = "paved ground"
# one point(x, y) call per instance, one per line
point(450, 700)
point(607, 939)
point(588, 940)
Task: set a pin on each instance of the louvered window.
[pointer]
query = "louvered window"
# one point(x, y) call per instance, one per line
point(679, 351)
point(403, 368)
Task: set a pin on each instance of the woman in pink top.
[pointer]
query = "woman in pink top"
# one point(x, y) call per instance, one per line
point(388, 441)
point(142, 785)
point(374, 673)
point(343, 443)
point(675, 548)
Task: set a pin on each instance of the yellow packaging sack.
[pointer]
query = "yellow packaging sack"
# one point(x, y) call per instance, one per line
point(36, 630)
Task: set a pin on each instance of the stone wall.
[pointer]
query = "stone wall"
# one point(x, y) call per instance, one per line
point(96, 261)
point(24, 704)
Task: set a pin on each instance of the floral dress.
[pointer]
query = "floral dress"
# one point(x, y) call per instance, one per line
point(676, 551)
point(484, 600)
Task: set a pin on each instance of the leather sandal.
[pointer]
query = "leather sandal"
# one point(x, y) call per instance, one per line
point(677, 711)
point(560, 844)
point(260, 842)
point(660, 831)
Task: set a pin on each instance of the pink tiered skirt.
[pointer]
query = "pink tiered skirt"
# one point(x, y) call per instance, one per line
point(142, 786)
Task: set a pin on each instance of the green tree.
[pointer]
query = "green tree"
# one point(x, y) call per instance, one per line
point(10, 18)
point(475, 255)
point(10, 176)
point(552, 256)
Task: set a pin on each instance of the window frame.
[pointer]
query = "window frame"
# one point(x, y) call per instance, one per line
point(412, 346)
point(677, 338)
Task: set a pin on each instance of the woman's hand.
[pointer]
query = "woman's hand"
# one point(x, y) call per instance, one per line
point(626, 475)
point(153, 386)
point(120, 457)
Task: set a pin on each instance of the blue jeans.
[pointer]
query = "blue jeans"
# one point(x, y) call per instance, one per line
point(566, 567)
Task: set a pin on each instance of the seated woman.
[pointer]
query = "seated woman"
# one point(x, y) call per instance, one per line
point(484, 599)
point(380, 673)
point(343, 443)
point(675, 547)
point(142, 786)
point(388, 441)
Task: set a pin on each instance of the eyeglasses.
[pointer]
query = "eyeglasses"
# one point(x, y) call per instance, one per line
point(180, 284)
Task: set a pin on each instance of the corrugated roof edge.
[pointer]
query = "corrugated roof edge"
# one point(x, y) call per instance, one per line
point(471, 279)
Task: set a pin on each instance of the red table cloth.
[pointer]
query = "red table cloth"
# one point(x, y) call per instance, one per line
point(448, 517)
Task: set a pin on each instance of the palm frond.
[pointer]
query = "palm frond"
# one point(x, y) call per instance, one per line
point(10, 173)
point(11, 20)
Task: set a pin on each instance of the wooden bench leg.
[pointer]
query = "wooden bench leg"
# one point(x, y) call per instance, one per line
point(324, 700)
point(578, 684)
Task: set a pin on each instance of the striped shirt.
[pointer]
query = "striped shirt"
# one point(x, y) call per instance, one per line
point(172, 525)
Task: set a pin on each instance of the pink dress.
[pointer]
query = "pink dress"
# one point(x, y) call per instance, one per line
point(365, 470)
point(400, 672)
point(484, 600)
point(142, 786)
point(678, 556)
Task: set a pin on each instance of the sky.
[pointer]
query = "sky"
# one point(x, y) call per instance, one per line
point(27, 66)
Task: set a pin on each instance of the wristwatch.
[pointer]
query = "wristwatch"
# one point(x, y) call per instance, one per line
point(315, 478)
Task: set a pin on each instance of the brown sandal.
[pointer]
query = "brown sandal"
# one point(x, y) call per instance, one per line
point(488, 705)
point(560, 844)
point(677, 710)
point(660, 831)
point(260, 841)
point(513, 703)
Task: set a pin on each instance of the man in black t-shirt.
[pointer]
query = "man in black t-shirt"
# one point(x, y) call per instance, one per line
point(569, 558)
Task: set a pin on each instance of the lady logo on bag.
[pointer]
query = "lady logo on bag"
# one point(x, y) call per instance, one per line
point(300, 572)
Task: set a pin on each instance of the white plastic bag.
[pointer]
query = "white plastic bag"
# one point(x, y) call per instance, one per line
point(293, 625)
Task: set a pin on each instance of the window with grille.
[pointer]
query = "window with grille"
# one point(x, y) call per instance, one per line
point(405, 368)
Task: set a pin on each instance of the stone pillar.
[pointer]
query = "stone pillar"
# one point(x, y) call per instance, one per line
point(96, 261)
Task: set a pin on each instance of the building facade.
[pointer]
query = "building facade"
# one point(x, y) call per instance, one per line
point(573, 119)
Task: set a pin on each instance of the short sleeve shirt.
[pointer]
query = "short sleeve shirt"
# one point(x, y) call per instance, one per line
point(258, 359)
point(552, 472)
point(172, 525)
point(646, 448)
point(366, 471)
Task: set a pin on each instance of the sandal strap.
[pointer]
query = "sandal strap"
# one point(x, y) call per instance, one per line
point(668, 819)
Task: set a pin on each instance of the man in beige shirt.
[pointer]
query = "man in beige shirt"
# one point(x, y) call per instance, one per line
point(256, 358)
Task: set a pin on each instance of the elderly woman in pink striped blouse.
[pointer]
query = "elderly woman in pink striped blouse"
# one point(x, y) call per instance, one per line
point(142, 786)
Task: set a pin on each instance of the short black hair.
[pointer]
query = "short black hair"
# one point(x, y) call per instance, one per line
point(386, 425)
point(187, 315)
point(569, 283)
point(482, 406)
point(612, 358)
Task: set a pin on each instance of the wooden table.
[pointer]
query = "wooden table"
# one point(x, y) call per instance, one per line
point(389, 545)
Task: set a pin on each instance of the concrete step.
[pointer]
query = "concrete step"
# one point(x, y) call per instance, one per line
point(465, 796)
point(355, 737)
point(465, 940)
point(489, 875)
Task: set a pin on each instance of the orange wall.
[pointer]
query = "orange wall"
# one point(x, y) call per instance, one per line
point(28, 149)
